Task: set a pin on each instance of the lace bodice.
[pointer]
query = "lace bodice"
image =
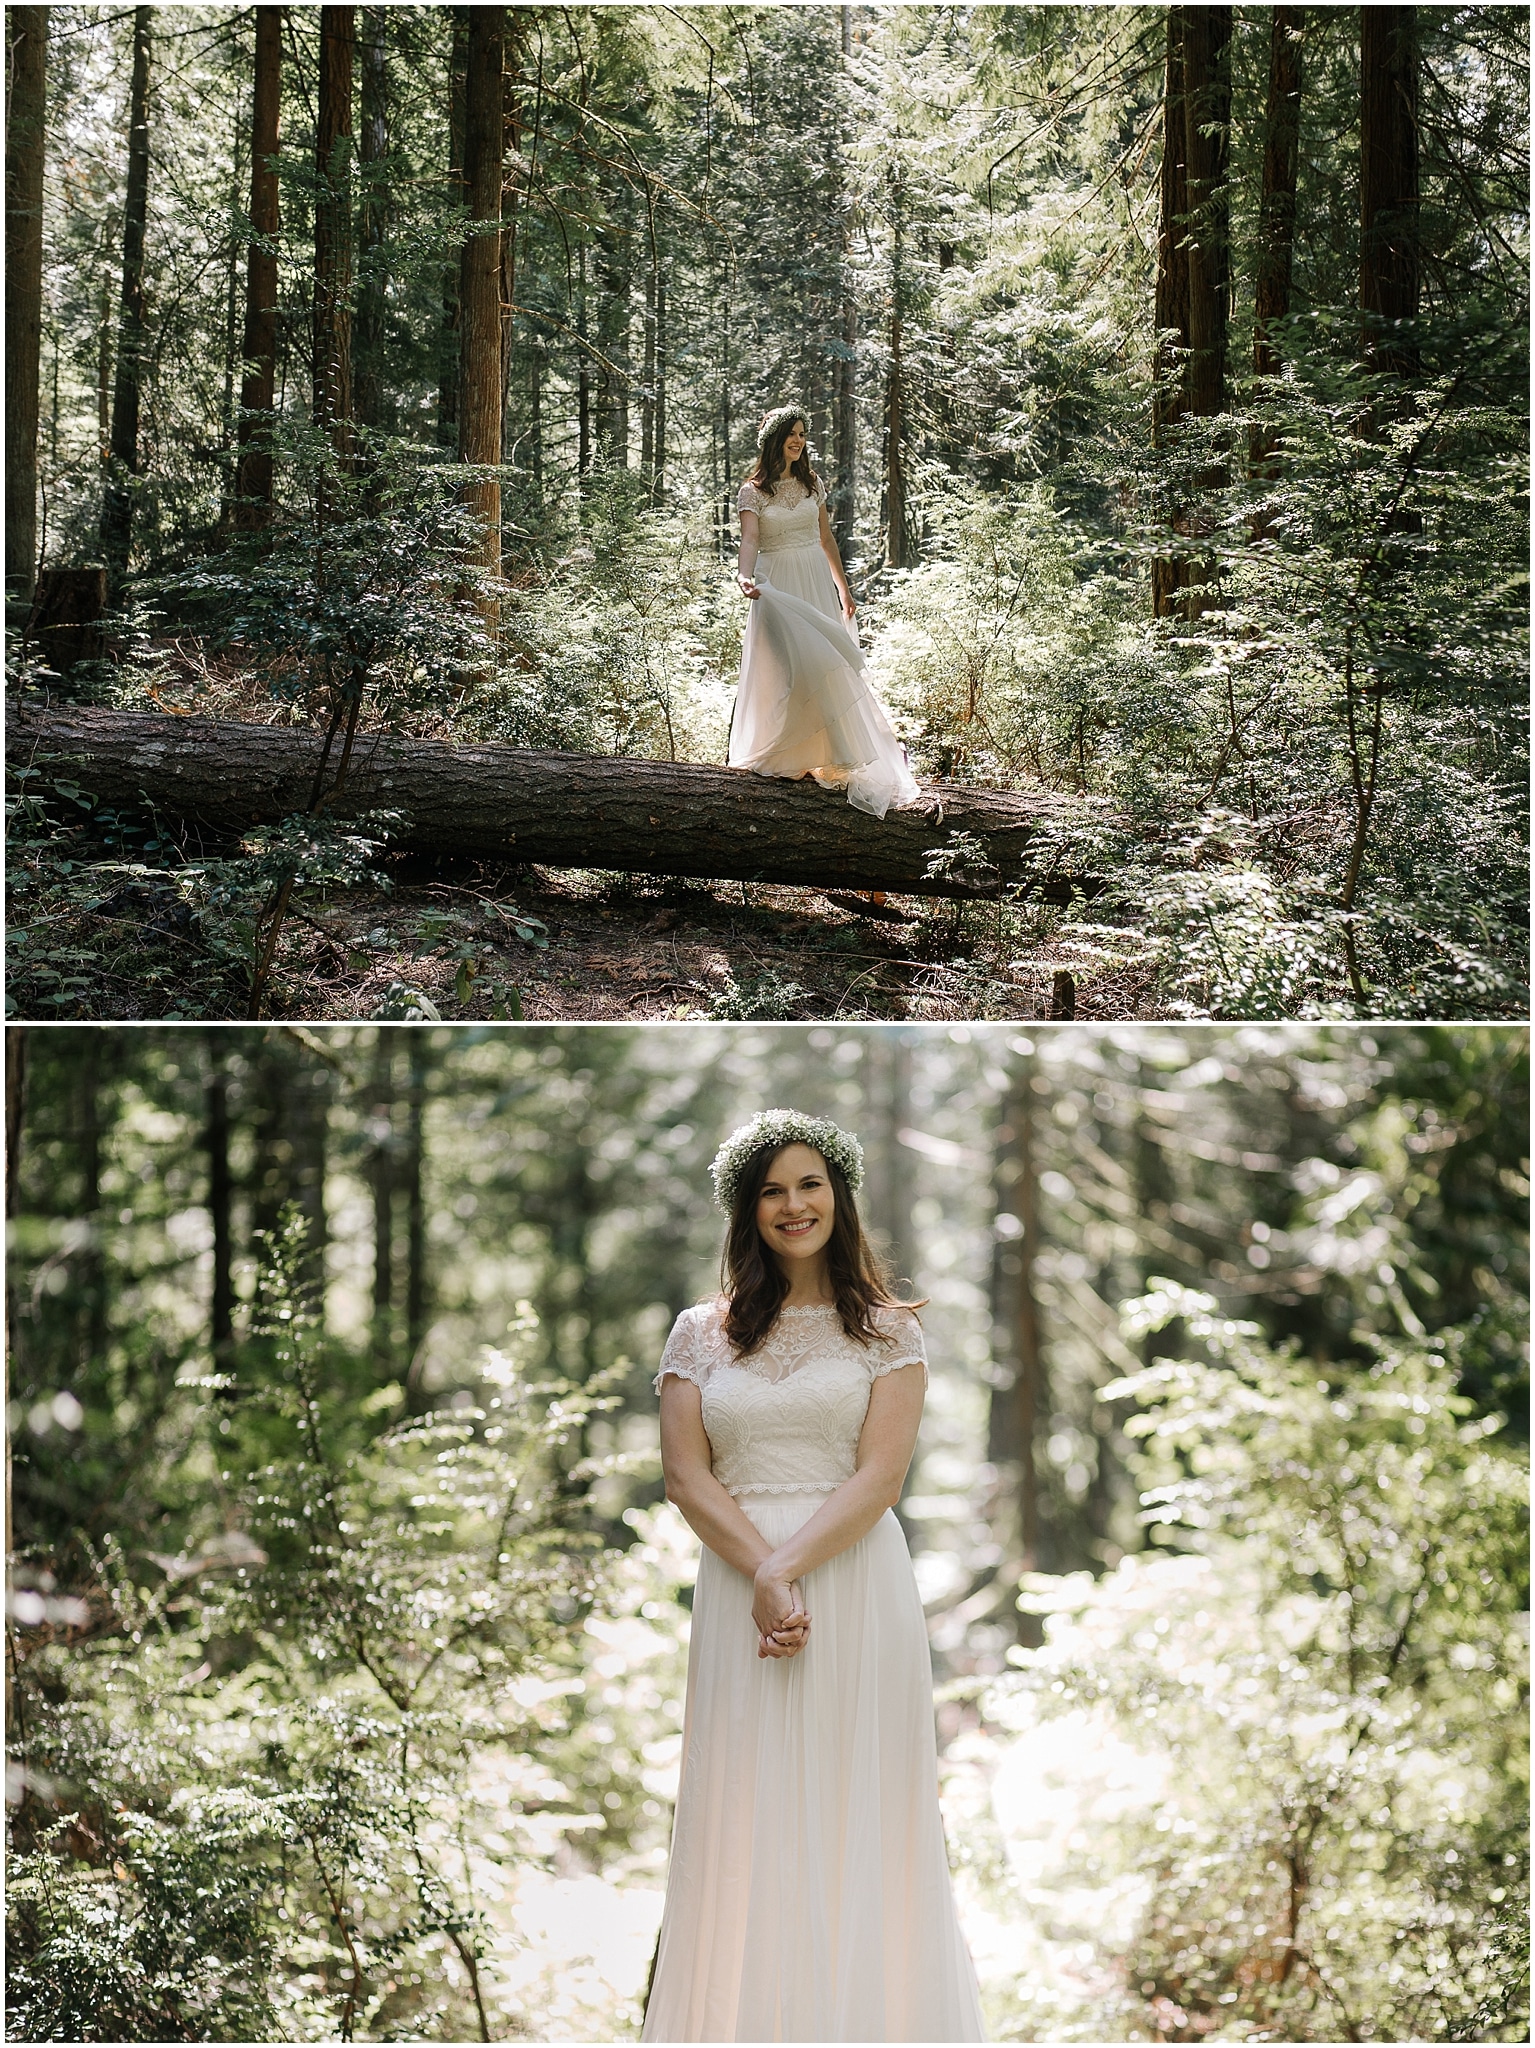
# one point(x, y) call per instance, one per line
point(790, 518)
point(787, 1418)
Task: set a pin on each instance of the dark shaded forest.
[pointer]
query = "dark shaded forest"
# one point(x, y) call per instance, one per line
point(395, 368)
point(346, 1651)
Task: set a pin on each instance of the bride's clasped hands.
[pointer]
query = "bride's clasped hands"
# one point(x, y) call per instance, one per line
point(778, 1609)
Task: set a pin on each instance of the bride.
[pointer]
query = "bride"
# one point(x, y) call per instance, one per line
point(809, 1896)
point(803, 707)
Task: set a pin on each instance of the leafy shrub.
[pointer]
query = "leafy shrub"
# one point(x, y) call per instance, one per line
point(1311, 1709)
point(244, 1807)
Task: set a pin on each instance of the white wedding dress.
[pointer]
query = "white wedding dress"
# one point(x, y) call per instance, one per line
point(809, 1896)
point(803, 707)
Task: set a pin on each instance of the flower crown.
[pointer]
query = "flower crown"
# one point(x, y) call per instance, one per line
point(775, 419)
point(777, 1128)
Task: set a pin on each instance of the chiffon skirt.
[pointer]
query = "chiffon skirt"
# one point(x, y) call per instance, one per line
point(803, 707)
point(809, 1896)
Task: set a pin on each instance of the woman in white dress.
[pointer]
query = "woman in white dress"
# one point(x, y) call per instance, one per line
point(803, 707)
point(809, 1896)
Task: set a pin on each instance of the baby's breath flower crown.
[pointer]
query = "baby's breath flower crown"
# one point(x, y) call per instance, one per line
point(780, 416)
point(780, 1127)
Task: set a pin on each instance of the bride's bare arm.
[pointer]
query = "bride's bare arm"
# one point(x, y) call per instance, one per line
point(746, 561)
point(885, 1446)
point(712, 1514)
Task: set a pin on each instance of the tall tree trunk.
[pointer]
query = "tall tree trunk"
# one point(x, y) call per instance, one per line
point(896, 550)
point(648, 369)
point(1207, 113)
point(727, 498)
point(231, 341)
point(448, 367)
point(845, 429)
point(614, 256)
point(220, 1190)
point(1171, 397)
point(844, 398)
point(117, 499)
point(333, 233)
point(258, 385)
point(583, 371)
point(511, 150)
point(1276, 206)
point(26, 105)
point(1016, 1405)
point(1388, 185)
point(371, 384)
point(536, 416)
point(658, 484)
point(479, 435)
point(104, 378)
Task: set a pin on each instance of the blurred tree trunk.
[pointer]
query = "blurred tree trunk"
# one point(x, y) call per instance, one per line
point(381, 1175)
point(416, 1280)
point(258, 384)
point(117, 503)
point(448, 367)
point(1388, 185)
point(1276, 205)
point(15, 1106)
point(220, 1192)
point(1017, 1403)
point(291, 1093)
point(371, 382)
point(26, 106)
point(889, 1203)
point(15, 1103)
point(92, 1261)
point(479, 427)
point(333, 408)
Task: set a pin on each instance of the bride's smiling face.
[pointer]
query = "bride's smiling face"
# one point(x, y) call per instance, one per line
point(794, 446)
point(796, 1205)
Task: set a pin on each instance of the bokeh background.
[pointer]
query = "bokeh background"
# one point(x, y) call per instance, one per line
point(348, 1625)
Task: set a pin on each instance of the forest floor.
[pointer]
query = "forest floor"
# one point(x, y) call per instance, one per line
point(484, 943)
point(104, 924)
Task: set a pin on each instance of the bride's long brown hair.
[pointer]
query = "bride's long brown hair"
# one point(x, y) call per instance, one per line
point(754, 1285)
point(770, 460)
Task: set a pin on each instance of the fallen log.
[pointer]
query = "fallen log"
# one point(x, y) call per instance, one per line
point(565, 810)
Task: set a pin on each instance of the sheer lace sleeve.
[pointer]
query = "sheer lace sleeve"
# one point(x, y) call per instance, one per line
point(820, 490)
point(688, 1352)
point(901, 1343)
point(750, 499)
